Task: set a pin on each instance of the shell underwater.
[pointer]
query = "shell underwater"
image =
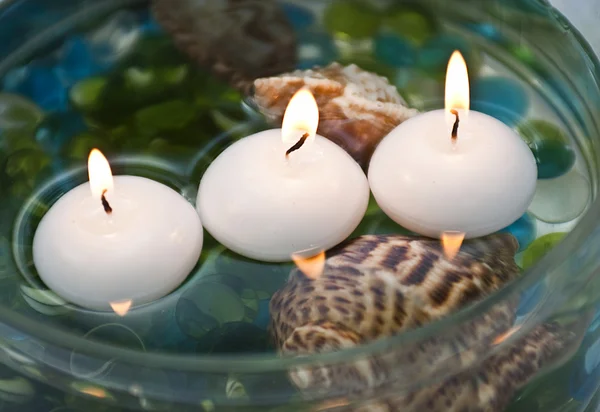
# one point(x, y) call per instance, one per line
point(190, 75)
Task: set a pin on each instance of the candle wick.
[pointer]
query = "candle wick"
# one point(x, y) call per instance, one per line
point(455, 127)
point(298, 144)
point(105, 203)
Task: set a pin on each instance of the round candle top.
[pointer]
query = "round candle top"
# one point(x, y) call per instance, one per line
point(477, 182)
point(268, 205)
point(119, 244)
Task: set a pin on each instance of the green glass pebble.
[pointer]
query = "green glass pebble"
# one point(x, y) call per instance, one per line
point(248, 296)
point(539, 248)
point(167, 116)
point(257, 275)
point(85, 95)
point(236, 337)
point(80, 146)
point(550, 146)
point(18, 114)
point(351, 18)
point(23, 168)
point(420, 91)
point(413, 23)
point(208, 306)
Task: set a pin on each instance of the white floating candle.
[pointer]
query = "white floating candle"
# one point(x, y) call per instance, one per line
point(116, 242)
point(435, 173)
point(267, 205)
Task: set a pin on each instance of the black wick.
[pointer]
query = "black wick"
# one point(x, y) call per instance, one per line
point(105, 203)
point(455, 127)
point(298, 144)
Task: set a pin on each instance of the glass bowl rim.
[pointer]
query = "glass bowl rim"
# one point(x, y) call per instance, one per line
point(257, 363)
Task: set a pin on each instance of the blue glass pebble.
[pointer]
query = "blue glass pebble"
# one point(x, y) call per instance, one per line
point(299, 17)
point(263, 316)
point(487, 30)
point(435, 53)
point(58, 129)
point(40, 83)
point(316, 49)
point(524, 230)
point(76, 61)
point(149, 25)
point(586, 376)
point(393, 50)
point(500, 97)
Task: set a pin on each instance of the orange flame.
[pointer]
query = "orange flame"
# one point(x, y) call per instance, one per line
point(311, 266)
point(457, 84)
point(121, 308)
point(451, 243)
point(93, 391)
point(501, 338)
point(301, 116)
point(99, 173)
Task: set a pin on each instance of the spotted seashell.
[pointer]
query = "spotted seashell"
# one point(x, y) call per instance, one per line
point(356, 108)
point(489, 387)
point(377, 286)
point(237, 40)
point(380, 285)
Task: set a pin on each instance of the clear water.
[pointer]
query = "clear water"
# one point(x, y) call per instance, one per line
point(121, 86)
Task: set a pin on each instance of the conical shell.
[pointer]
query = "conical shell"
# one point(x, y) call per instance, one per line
point(237, 40)
point(357, 108)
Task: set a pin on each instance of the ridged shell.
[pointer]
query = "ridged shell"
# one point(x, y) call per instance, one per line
point(357, 108)
point(376, 286)
point(238, 40)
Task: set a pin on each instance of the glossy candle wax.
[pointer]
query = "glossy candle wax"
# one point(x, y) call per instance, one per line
point(265, 206)
point(478, 184)
point(140, 252)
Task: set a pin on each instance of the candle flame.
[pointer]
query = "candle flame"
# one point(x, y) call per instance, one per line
point(451, 243)
point(121, 308)
point(501, 338)
point(99, 172)
point(457, 84)
point(301, 116)
point(311, 266)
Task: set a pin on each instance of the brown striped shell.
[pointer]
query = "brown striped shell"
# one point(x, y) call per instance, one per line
point(237, 40)
point(356, 108)
point(380, 285)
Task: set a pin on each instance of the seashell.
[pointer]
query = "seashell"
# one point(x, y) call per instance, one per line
point(237, 40)
point(381, 285)
point(356, 108)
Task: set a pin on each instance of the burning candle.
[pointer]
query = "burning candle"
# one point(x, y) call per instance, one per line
point(285, 191)
point(115, 242)
point(453, 170)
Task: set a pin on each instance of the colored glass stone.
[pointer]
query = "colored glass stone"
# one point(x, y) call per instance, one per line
point(58, 129)
point(40, 83)
point(316, 49)
point(85, 95)
point(500, 97)
point(394, 50)
point(300, 17)
point(171, 115)
point(435, 53)
point(235, 337)
point(351, 18)
point(207, 306)
point(523, 230)
point(550, 146)
point(561, 199)
point(539, 248)
point(76, 61)
point(413, 23)
point(22, 168)
point(79, 146)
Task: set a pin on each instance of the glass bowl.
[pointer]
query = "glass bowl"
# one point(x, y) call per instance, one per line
point(104, 73)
